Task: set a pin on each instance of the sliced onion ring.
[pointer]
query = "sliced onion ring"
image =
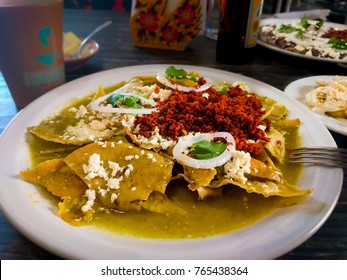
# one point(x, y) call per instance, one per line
point(315, 41)
point(179, 151)
point(95, 105)
point(165, 81)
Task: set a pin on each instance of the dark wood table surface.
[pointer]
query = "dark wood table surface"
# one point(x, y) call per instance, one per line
point(117, 50)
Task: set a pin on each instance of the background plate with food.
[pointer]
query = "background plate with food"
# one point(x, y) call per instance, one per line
point(28, 209)
point(299, 90)
point(310, 39)
point(71, 45)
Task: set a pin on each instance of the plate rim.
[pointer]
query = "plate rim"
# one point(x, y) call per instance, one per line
point(187, 249)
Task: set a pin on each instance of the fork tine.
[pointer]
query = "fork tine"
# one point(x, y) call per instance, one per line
point(327, 163)
point(333, 157)
point(315, 149)
point(327, 156)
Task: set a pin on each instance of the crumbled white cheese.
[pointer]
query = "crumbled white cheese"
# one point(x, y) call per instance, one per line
point(156, 139)
point(90, 194)
point(206, 95)
point(114, 196)
point(102, 192)
point(90, 125)
point(115, 168)
point(129, 168)
point(300, 48)
point(94, 168)
point(87, 131)
point(151, 156)
point(238, 166)
point(112, 177)
point(113, 183)
point(81, 112)
point(130, 157)
point(262, 127)
point(153, 92)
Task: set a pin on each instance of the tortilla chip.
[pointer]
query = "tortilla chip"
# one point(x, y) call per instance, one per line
point(78, 126)
point(100, 92)
point(45, 150)
point(205, 192)
point(70, 211)
point(276, 146)
point(122, 175)
point(160, 203)
point(198, 177)
point(259, 169)
point(57, 178)
point(266, 188)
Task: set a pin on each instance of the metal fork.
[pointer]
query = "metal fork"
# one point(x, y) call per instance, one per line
point(325, 156)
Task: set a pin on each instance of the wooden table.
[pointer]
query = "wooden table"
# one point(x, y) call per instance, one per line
point(117, 50)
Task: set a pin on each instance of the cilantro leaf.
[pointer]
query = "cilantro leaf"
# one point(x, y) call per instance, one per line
point(319, 24)
point(113, 99)
point(339, 44)
point(132, 102)
point(286, 28)
point(127, 101)
point(224, 90)
point(173, 72)
point(304, 22)
point(178, 74)
point(207, 150)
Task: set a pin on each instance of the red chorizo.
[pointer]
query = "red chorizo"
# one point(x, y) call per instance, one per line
point(236, 112)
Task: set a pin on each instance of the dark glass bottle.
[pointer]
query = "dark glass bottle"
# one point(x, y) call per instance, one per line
point(239, 25)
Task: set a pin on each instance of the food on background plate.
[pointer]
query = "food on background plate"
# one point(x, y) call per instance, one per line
point(307, 37)
point(168, 156)
point(329, 97)
point(71, 43)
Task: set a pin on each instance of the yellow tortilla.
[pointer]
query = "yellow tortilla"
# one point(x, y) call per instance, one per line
point(122, 175)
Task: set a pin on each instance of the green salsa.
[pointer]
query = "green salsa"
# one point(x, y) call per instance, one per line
point(233, 210)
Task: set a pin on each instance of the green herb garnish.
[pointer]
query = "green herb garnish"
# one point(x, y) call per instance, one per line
point(223, 90)
point(178, 74)
point(127, 101)
point(207, 150)
point(339, 44)
point(319, 24)
point(113, 99)
point(304, 22)
point(286, 28)
point(173, 72)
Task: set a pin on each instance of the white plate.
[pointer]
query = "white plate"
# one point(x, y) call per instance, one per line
point(299, 88)
point(269, 238)
point(278, 21)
